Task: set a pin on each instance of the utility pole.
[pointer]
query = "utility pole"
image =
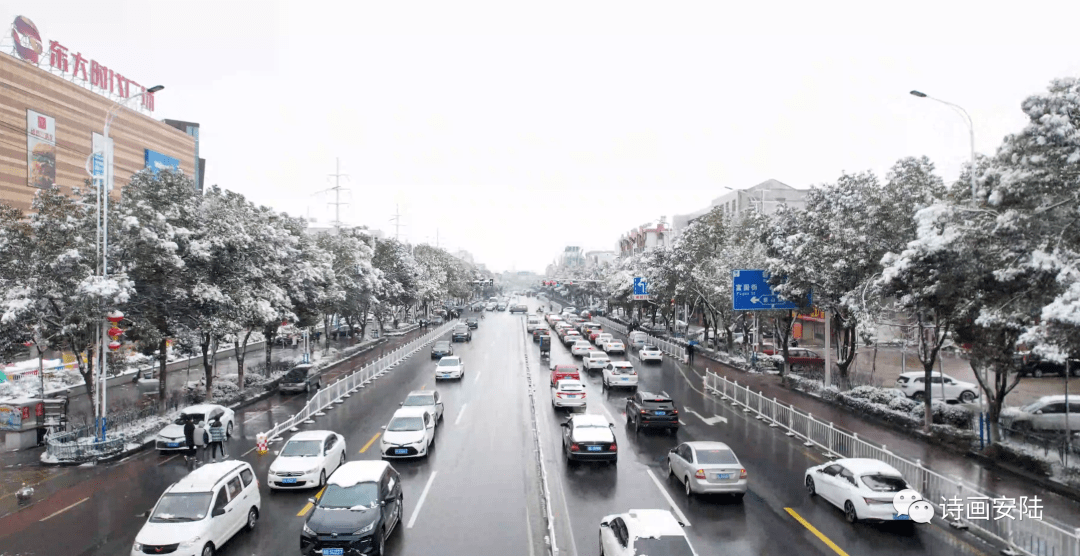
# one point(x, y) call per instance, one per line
point(337, 175)
point(397, 223)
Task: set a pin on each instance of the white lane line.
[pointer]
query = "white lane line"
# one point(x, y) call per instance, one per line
point(168, 460)
point(528, 531)
point(420, 502)
point(249, 451)
point(678, 512)
point(65, 509)
point(682, 423)
point(461, 413)
point(607, 414)
point(477, 378)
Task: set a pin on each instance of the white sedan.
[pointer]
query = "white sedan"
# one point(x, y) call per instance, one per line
point(580, 348)
point(568, 393)
point(449, 367)
point(614, 346)
point(595, 360)
point(427, 399)
point(306, 460)
point(411, 433)
point(172, 436)
point(649, 352)
point(601, 338)
point(620, 374)
point(864, 488)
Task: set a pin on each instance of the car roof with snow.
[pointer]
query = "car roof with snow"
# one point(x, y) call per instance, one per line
point(589, 419)
point(582, 342)
point(426, 393)
point(206, 476)
point(622, 364)
point(353, 472)
point(1056, 398)
point(597, 355)
point(311, 435)
point(569, 384)
point(867, 466)
point(450, 359)
point(920, 374)
point(411, 411)
point(201, 408)
point(649, 347)
point(652, 523)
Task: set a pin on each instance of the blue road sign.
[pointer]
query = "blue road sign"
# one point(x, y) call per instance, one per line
point(751, 292)
point(99, 164)
point(641, 288)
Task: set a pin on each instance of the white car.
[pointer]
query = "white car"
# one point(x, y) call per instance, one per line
point(941, 387)
point(306, 460)
point(603, 337)
point(580, 348)
point(643, 532)
point(649, 352)
point(707, 468)
point(532, 323)
point(172, 436)
point(595, 360)
point(411, 433)
point(863, 488)
point(1045, 413)
point(614, 346)
point(620, 374)
point(568, 393)
point(569, 310)
point(427, 399)
point(201, 511)
point(449, 367)
point(571, 336)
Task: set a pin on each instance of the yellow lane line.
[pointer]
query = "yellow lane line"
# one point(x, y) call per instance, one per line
point(308, 506)
point(816, 533)
point(370, 442)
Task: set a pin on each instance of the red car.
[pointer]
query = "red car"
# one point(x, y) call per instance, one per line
point(594, 334)
point(800, 359)
point(560, 372)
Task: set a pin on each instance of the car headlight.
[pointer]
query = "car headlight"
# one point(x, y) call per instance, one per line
point(137, 547)
point(189, 543)
point(312, 470)
point(308, 531)
point(369, 527)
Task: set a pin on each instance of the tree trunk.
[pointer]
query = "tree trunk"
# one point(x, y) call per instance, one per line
point(163, 361)
point(86, 369)
point(206, 343)
point(326, 334)
point(240, 353)
point(846, 341)
point(270, 333)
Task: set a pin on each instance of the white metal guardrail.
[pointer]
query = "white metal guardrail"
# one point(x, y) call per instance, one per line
point(355, 380)
point(670, 348)
point(1035, 537)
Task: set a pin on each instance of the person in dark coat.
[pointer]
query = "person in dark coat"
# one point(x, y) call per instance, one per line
point(189, 438)
point(690, 353)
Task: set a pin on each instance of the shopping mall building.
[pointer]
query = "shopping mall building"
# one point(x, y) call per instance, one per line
point(53, 104)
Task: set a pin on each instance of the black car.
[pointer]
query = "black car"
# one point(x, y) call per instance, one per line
point(589, 437)
point(462, 333)
point(301, 378)
point(473, 322)
point(540, 332)
point(1033, 365)
point(646, 409)
point(359, 509)
point(441, 349)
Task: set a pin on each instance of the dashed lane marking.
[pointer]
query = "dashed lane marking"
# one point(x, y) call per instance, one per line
point(420, 502)
point(309, 505)
point(477, 378)
point(828, 542)
point(461, 413)
point(678, 512)
point(52, 515)
point(370, 442)
point(167, 460)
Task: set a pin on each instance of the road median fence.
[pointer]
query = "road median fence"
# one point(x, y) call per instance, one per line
point(1034, 537)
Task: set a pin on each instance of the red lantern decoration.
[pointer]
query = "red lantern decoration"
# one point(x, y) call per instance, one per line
point(28, 343)
point(284, 323)
point(114, 332)
point(114, 345)
point(115, 317)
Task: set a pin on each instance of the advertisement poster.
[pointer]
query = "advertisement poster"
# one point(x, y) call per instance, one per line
point(10, 418)
point(40, 150)
point(98, 145)
point(157, 162)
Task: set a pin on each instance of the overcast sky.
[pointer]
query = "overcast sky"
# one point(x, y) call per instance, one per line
point(513, 129)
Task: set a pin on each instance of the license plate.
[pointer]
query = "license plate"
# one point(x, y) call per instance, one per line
point(288, 481)
point(661, 413)
point(333, 551)
point(401, 451)
point(625, 379)
point(900, 516)
point(723, 475)
point(174, 444)
point(594, 448)
point(571, 395)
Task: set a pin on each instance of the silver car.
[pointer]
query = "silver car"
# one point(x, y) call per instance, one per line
point(707, 468)
point(427, 399)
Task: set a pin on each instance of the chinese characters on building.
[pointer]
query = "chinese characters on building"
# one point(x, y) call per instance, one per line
point(983, 508)
point(99, 76)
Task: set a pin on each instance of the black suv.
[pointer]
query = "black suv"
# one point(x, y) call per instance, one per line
point(1032, 365)
point(648, 409)
point(356, 514)
point(301, 378)
point(441, 349)
point(462, 333)
point(473, 322)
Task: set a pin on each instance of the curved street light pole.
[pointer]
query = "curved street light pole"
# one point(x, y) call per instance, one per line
point(971, 134)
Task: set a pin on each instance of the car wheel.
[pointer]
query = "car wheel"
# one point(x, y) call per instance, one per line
point(1076, 372)
point(307, 388)
point(918, 396)
point(381, 549)
point(342, 462)
point(1037, 373)
point(849, 512)
point(967, 396)
point(322, 478)
point(686, 487)
point(670, 471)
point(810, 488)
point(601, 546)
point(228, 430)
point(253, 517)
point(208, 550)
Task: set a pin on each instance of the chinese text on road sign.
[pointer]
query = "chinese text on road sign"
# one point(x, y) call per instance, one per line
point(641, 291)
point(751, 292)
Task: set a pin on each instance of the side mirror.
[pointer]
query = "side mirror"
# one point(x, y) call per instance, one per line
point(402, 404)
point(311, 501)
point(673, 450)
point(604, 524)
point(1039, 412)
point(217, 512)
point(611, 425)
point(564, 425)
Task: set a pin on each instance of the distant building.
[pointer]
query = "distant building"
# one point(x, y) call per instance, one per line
point(594, 259)
point(765, 197)
point(572, 257)
point(645, 237)
point(465, 256)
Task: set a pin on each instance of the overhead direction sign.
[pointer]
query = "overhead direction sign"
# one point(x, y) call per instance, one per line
point(751, 292)
point(641, 289)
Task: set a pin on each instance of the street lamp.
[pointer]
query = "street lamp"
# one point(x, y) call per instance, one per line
point(103, 245)
point(971, 135)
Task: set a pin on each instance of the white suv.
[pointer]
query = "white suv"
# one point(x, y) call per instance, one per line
point(941, 386)
point(202, 511)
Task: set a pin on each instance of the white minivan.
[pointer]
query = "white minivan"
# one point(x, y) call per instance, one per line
point(199, 513)
point(532, 323)
point(637, 339)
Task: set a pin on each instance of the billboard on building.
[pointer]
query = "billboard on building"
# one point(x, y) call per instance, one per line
point(157, 162)
point(40, 150)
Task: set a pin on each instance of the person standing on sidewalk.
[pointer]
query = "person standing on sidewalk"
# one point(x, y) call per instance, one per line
point(217, 440)
point(690, 354)
point(189, 439)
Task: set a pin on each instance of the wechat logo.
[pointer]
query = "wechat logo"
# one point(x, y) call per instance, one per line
point(910, 503)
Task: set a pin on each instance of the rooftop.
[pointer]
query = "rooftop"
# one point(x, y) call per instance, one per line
point(204, 478)
point(353, 472)
point(865, 466)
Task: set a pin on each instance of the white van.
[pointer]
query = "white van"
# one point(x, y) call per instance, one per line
point(532, 323)
point(637, 339)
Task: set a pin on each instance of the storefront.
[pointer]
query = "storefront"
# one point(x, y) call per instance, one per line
point(52, 115)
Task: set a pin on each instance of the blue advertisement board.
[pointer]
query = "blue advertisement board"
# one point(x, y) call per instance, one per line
point(751, 292)
point(157, 162)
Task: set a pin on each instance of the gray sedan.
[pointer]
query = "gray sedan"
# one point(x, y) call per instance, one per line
point(707, 468)
point(427, 399)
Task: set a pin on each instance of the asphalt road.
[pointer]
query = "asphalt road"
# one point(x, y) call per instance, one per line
point(481, 478)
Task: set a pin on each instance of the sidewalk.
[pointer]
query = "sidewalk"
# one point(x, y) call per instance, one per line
point(991, 480)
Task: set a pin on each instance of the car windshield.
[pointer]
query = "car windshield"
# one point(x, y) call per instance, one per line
point(668, 546)
point(884, 483)
point(624, 370)
point(364, 495)
point(590, 425)
point(659, 405)
point(569, 387)
point(716, 456)
point(406, 424)
point(186, 506)
point(195, 417)
point(302, 448)
point(294, 376)
point(448, 362)
point(1031, 407)
point(418, 400)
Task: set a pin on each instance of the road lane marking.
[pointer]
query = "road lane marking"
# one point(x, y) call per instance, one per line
point(708, 420)
point(606, 414)
point(461, 413)
point(50, 516)
point(420, 502)
point(678, 512)
point(260, 413)
point(477, 378)
point(370, 442)
point(309, 505)
point(167, 460)
point(816, 533)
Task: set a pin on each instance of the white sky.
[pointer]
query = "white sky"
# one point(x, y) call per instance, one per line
point(513, 129)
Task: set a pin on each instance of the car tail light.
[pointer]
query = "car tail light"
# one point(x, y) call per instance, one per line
point(873, 502)
point(742, 474)
point(700, 474)
point(644, 412)
point(614, 447)
point(583, 394)
point(574, 448)
point(674, 411)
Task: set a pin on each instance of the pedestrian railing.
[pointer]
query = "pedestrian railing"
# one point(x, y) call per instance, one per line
point(1035, 537)
point(336, 392)
point(81, 444)
point(671, 348)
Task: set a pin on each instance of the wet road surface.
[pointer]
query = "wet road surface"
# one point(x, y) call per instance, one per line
point(481, 478)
